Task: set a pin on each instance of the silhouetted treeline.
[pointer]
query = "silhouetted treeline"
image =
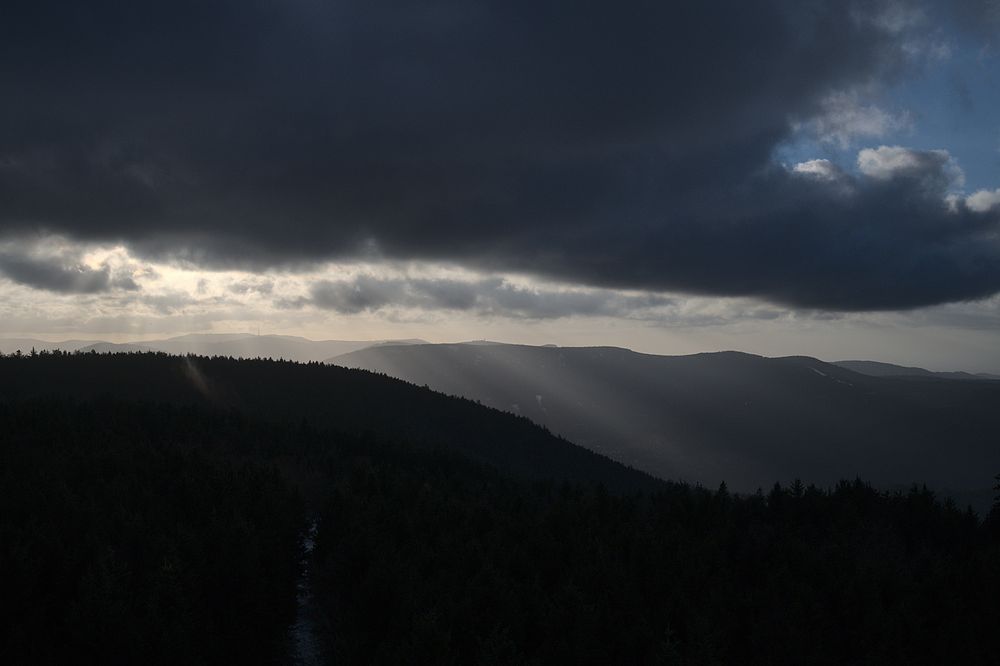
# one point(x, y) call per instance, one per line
point(143, 524)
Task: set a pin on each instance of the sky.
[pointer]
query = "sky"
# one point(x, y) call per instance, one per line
point(779, 177)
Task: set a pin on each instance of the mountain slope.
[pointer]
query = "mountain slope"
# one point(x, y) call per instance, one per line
point(287, 347)
point(728, 416)
point(877, 369)
point(349, 401)
point(114, 348)
point(236, 345)
point(25, 345)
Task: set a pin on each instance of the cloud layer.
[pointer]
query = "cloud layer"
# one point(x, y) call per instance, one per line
point(56, 267)
point(484, 296)
point(629, 148)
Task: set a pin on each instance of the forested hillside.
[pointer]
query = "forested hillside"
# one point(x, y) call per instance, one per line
point(348, 400)
point(739, 418)
point(139, 534)
point(443, 564)
point(145, 524)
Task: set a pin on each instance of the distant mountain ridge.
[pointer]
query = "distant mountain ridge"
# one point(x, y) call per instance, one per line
point(704, 418)
point(878, 369)
point(286, 347)
point(296, 348)
point(744, 419)
point(25, 345)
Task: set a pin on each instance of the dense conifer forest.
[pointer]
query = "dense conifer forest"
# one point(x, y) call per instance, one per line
point(139, 534)
point(153, 506)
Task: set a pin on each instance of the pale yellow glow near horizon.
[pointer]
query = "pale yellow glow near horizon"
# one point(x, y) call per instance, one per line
point(173, 300)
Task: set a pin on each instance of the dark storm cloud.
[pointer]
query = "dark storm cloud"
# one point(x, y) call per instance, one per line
point(626, 145)
point(61, 274)
point(492, 296)
point(980, 16)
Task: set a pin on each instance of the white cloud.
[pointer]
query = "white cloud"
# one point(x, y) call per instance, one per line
point(887, 162)
point(820, 169)
point(983, 200)
point(844, 118)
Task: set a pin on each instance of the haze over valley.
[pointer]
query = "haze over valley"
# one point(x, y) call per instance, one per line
point(742, 419)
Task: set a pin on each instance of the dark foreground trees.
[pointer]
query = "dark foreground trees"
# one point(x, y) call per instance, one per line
point(128, 535)
point(439, 563)
point(167, 532)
